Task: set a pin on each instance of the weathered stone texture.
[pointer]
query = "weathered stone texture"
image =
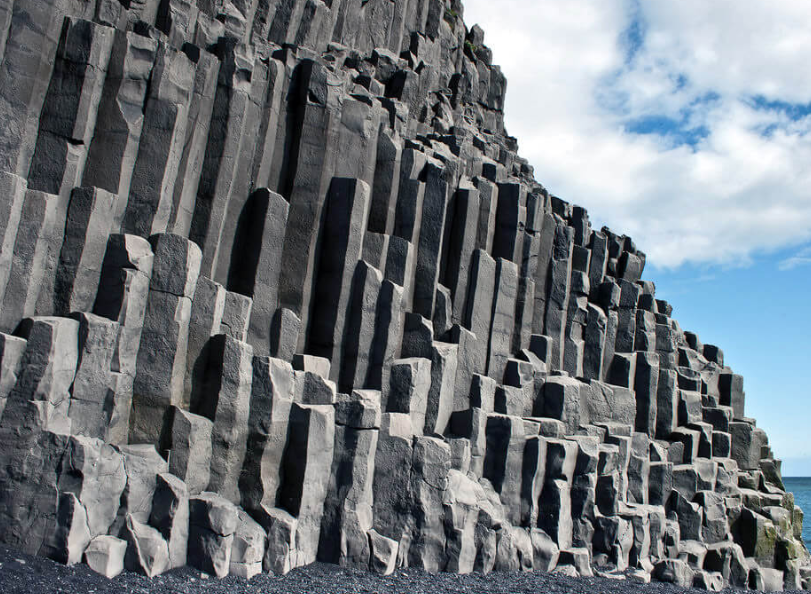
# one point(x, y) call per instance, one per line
point(276, 287)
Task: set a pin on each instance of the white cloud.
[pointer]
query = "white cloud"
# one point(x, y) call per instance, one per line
point(801, 258)
point(717, 69)
point(740, 46)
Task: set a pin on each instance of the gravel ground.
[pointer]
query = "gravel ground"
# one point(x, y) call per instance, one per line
point(23, 574)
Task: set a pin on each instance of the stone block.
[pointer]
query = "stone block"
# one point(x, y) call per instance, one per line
point(147, 552)
point(170, 515)
point(161, 365)
point(248, 547)
point(105, 555)
point(562, 401)
point(409, 388)
point(213, 522)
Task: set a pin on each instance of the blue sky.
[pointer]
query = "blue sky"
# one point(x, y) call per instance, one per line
point(686, 125)
point(759, 315)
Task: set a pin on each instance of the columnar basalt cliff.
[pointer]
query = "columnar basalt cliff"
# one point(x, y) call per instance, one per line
point(277, 288)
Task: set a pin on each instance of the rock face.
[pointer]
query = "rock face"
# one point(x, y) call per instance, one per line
point(276, 287)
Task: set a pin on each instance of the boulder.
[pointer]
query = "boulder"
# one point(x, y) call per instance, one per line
point(105, 555)
point(383, 553)
point(248, 547)
point(213, 522)
point(673, 571)
point(170, 515)
point(147, 551)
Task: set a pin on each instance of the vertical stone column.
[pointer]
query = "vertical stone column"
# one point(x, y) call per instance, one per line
point(533, 477)
point(460, 251)
point(114, 148)
point(646, 386)
point(47, 370)
point(348, 509)
point(556, 503)
point(243, 184)
point(12, 349)
point(200, 111)
point(228, 392)
point(205, 321)
point(626, 329)
point(511, 215)
point(429, 247)
point(408, 392)
point(13, 189)
point(29, 260)
point(161, 365)
point(444, 363)
point(30, 47)
point(356, 353)
point(122, 297)
point(93, 392)
point(479, 312)
point(163, 135)
point(429, 481)
point(256, 271)
point(307, 464)
point(392, 479)
point(388, 335)
point(488, 202)
point(667, 403)
point(188, 441)
point(558, 287)
point(307, 188)
point(504, 460)
point(503, 318)
point(271, 399)
point(598, 262)
point(346, 213)
point(272, 126)
point(78, 269)
point(386, 182)
point(177, 18)
point(69, 113)
point(356, 150)
point(465, 368)
point(543, 277)
point(594, 338)
point(225, 139)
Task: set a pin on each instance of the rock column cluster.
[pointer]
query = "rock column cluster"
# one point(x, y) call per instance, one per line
point(276, 287)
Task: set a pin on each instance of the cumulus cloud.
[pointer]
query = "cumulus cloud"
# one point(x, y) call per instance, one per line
point(686, 125)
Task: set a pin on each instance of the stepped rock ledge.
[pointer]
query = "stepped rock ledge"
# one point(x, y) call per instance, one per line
point(276, 288)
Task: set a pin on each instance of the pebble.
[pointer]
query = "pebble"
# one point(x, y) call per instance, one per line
point(35, 575)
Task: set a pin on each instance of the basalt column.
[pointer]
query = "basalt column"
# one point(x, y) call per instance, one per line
point(277, 287)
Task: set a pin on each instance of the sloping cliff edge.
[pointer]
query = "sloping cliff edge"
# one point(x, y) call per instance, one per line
point(276, 287)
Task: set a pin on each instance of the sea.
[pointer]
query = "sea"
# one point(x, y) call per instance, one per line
point(801, 487)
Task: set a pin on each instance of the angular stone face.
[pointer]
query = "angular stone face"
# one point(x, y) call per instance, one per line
point(213, 523)
point(263, 305)
point(161, 365)
point(147, 551)
point(105, 555)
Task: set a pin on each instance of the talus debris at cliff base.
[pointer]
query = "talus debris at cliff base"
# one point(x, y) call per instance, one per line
point(275, 287)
